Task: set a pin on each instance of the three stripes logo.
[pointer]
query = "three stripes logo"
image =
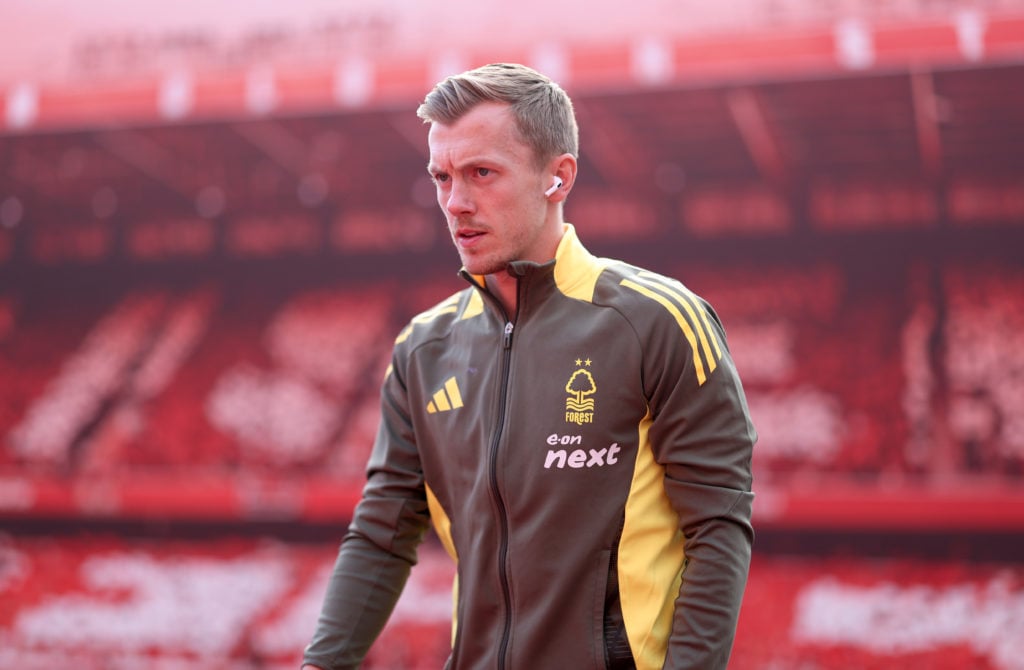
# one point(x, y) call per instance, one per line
point(688, 312)
point(447, 398)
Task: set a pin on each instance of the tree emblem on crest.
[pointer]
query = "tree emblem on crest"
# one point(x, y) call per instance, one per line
point(580, 385)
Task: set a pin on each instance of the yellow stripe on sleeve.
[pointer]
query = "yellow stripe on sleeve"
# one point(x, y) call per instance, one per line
point(680, 319)
point(689, 304)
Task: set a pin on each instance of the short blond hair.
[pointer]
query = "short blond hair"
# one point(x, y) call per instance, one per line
point(543, 112)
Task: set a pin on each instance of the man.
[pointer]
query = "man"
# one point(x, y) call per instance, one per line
point(573, 427)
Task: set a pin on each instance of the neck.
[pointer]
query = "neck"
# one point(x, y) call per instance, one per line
point(505, 288)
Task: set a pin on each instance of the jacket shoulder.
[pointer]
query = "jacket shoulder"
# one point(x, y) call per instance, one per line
point(670, 318)
point(633, 289)
point(437, 322)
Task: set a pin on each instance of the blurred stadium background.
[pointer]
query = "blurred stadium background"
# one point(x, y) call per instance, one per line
point(214, 219)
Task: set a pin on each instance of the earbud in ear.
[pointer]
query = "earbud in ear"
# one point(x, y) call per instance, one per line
point(555, 185)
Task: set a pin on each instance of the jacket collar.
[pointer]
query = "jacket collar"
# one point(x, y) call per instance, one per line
point(575, 270)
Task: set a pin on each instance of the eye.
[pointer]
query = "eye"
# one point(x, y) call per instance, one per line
point(440, 177)
point(483, 172)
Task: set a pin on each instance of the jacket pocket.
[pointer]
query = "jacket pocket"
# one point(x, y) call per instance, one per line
point(617, 652)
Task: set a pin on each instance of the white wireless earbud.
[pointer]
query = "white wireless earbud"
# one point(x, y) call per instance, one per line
point(557, 184)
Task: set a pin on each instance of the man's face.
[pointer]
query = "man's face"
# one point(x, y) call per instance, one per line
point(491, 191)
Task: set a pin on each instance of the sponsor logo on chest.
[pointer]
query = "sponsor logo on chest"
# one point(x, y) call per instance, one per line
point(577, 458)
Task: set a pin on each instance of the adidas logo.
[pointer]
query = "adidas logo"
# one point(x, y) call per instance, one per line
point(446, 398)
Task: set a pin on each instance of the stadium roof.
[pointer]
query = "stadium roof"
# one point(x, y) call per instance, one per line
point(785, 115)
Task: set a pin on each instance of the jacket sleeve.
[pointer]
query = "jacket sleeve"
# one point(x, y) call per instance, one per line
point(379, 549)
point(702, 434)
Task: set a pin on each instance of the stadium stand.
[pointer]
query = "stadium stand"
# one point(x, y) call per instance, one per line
point(109, 602)
point(984, 364)
point(221, 379)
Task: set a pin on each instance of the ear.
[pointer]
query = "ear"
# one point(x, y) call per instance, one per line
point(562, 167)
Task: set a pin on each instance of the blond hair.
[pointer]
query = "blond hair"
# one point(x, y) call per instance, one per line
point(542, 110)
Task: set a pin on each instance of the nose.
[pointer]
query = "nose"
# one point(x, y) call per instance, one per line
point(459, 200)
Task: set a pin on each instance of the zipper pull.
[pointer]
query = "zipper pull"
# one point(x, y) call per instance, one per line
point(508, 335)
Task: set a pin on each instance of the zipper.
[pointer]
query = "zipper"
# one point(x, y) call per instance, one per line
point(502, 510)
point(506, 366)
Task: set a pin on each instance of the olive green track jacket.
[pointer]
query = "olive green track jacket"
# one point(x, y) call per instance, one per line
point(586, 463)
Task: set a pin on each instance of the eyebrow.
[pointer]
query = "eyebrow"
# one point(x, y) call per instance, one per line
point(478, 159)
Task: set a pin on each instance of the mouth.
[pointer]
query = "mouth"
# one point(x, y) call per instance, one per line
point(467, 237)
